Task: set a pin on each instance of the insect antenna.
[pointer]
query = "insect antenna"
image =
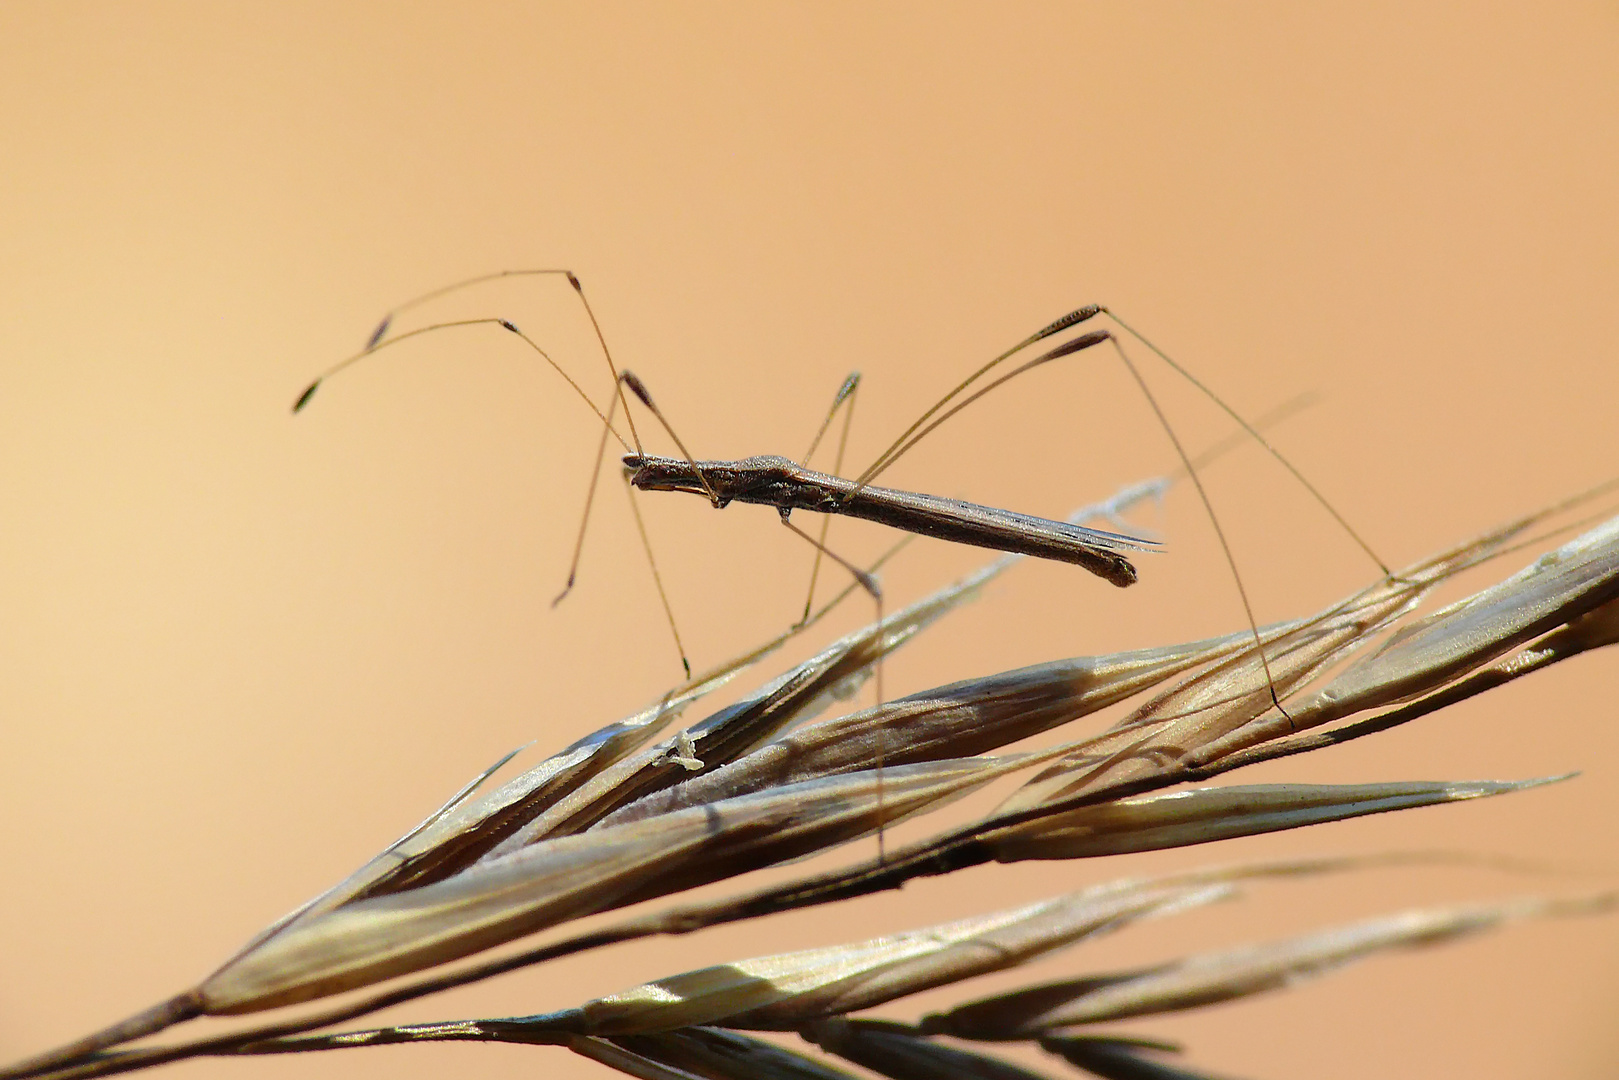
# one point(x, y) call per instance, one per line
point(308, 393)
point(543, 272)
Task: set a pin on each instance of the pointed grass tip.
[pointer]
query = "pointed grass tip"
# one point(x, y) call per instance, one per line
point(303, 398)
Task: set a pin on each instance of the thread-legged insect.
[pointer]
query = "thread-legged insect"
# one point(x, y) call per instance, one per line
point(787, 486)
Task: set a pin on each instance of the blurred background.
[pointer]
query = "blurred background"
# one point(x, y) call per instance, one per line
point(242, 652)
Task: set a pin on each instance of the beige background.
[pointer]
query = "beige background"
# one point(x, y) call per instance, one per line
point(240, 652)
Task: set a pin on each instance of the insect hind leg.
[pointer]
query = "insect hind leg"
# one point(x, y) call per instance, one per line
point(939, 413)
point(869, 583)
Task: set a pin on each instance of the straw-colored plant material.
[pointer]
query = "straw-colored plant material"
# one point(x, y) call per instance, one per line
point(1223, 976)
point(668, 1022)
point(566, 878)
point(1114, 1058)
point(782, 992)
point(1203, 815)
point(620, 817)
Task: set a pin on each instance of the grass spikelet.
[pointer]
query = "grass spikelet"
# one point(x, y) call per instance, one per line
point(634, 813)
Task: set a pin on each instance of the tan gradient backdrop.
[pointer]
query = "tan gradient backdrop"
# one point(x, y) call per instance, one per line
point(240, 653)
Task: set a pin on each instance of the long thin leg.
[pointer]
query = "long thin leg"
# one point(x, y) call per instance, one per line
point(638, 388)
point(869, 583)
point(1260, 439)
point(922, 426)
point(1085, 341)
point(657, 579)
point(1073, 318)
point(376, 343)
point(584, 522)
point(640, 391)
point(846, 393)
point(933, 418)
point(1214, 520)
point(893, 454)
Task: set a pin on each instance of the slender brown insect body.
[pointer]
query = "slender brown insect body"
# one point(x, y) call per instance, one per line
point(787, 486)
point(783, 484)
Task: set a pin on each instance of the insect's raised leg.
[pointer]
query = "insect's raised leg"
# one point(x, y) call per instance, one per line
point(1253, 433)
point(639, 389)
point(922, 426)
point(380, 340)
point(845, 395)
point(938, 414)
point(584, 522)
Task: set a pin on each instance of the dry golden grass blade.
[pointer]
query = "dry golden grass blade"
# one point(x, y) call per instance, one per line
point(1594, 630)
point(1115, 1058)
point(1204, 815)
point(1221, 710)
point(790, 699)
point(626, 1061)
point(502, 899)
point(463, 830)
point(727, 1055)
point(958, 720)
point(702, 1052)
point(1221, 976)
point(1041, 928)
point(781, 992)
point(515, 802)
point(371, 940)
point(898, 1051)
point(1557, 588)
point(865, 803)
point(1440, 652)
point(514, 1030)
point(1207, 706)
